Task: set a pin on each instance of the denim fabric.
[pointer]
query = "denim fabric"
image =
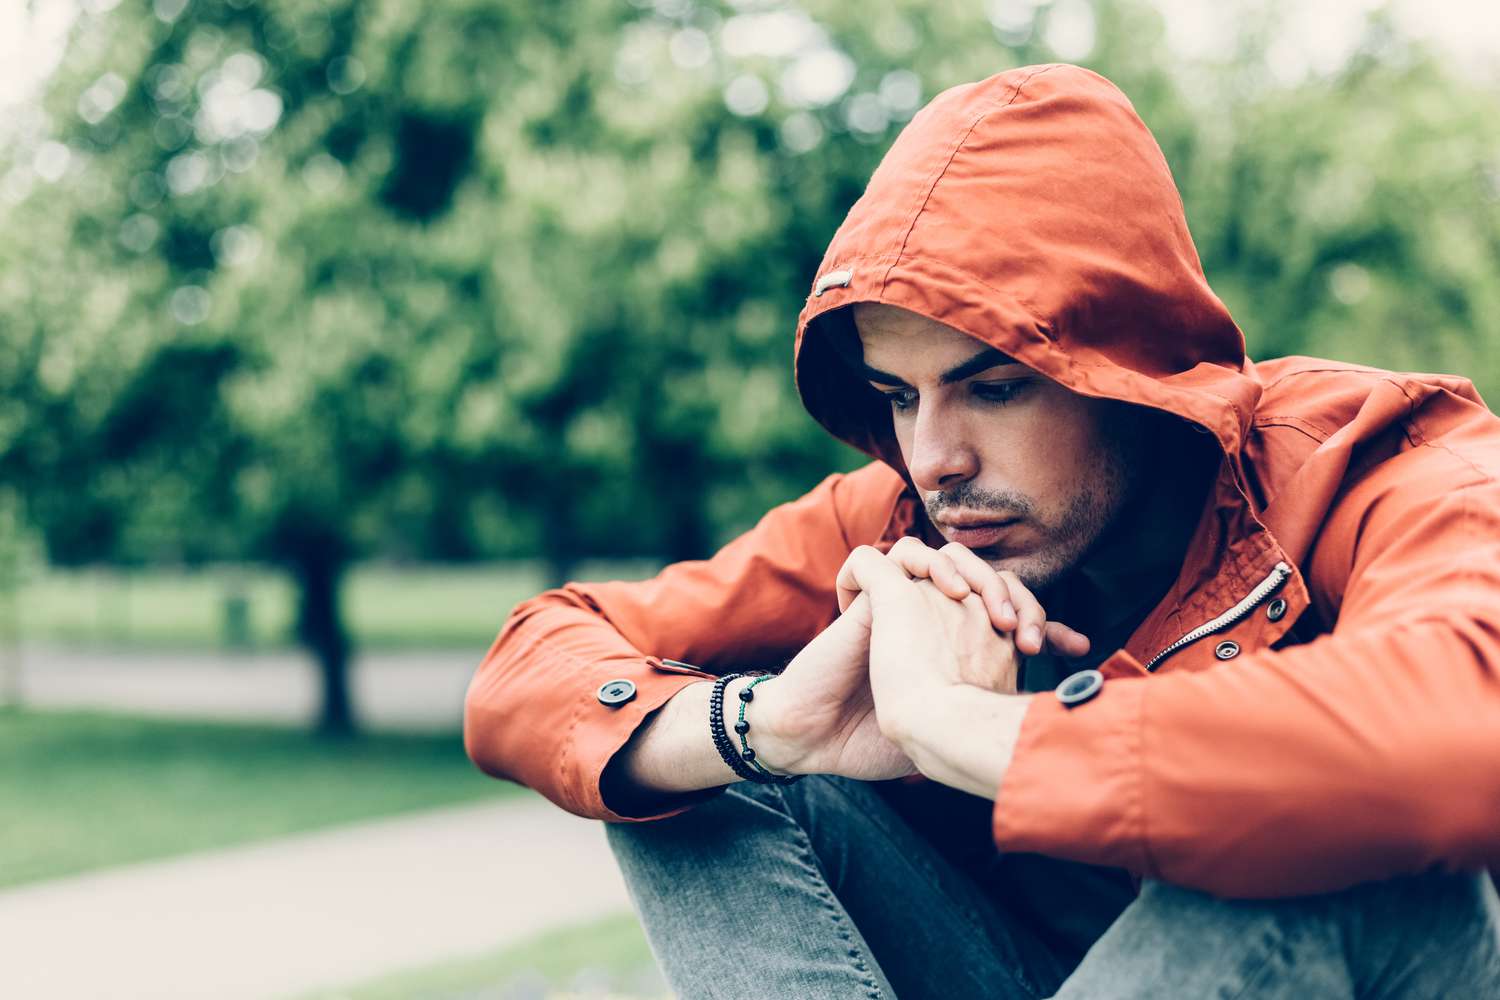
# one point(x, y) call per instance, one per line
point(821, 889)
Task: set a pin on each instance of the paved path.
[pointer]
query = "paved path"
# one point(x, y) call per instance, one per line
point(390, 690)
point(314, 911)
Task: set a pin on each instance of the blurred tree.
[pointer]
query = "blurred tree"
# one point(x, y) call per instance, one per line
point(1356, 214)
point(311, 282)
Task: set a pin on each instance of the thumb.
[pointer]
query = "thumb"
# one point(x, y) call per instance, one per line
point(849, 632)
point(1064, 641)
point(858, 612)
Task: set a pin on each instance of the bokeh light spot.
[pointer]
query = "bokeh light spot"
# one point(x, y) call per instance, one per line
point(691, 49)
point(102, 97)
point(817, 78)
point(746, 95)
point(138, 232)
point(190, 304)
point(801, 132)
point(235, 246)
point(51, 161)
point(901, 92)
point(345, 75)
point(168, 10)
point(866, 114)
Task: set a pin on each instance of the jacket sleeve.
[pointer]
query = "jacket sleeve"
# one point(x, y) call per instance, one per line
point(532, 714)
point(1371, 752)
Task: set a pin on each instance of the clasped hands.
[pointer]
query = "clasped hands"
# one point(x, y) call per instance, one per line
point(917, 674)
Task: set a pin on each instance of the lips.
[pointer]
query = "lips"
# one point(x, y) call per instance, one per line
point(976, 532)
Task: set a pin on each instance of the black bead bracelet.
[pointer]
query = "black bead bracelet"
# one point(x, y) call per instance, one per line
point(741, 762)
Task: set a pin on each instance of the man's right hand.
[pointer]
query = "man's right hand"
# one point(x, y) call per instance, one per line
point(818, 715)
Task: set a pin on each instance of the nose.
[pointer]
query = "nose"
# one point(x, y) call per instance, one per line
point(941, 455)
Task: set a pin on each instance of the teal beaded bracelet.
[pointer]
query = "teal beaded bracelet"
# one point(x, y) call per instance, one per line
point(742, 727)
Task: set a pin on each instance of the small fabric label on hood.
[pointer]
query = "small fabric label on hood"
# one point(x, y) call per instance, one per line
point(833, 279)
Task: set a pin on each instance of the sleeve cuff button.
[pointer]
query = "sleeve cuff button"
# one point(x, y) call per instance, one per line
point(616, 692)
point(1080, 687)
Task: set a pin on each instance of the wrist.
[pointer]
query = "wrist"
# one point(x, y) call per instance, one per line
point(921, 717)
point(765, 735)
point(964, 736)
point(729, 729)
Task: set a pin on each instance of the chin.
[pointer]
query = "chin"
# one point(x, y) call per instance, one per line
point(1037, 571)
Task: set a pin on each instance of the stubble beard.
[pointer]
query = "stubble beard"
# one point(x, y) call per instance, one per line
point(1062, 542)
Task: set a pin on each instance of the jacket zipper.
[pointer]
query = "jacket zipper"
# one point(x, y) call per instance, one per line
point(1262, 590)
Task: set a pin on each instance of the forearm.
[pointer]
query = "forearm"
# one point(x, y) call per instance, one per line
point(673, 751)
point(964, 737)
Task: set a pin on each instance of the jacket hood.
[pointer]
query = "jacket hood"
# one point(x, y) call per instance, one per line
point(1034, 212)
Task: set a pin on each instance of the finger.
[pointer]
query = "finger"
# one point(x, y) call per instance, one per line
point(994, 673)
point(923, 562)
point(1065, 641)
point(981, 576)
point(868, 570)
point(1029, 614)
point(845, 584)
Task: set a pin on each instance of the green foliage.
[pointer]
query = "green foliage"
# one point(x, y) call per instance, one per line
point(1358, 218)
point(481, 278)
point(86, 791)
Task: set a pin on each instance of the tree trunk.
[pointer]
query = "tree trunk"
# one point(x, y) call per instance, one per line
point(559, 553)
point(690, 535)
point(320, 627)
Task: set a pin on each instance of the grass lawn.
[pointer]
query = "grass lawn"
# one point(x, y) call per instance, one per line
point(84, 790)
point(388, 607)
point(607, 956)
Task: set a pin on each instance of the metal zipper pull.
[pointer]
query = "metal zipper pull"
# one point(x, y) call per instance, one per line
point(1262, 590)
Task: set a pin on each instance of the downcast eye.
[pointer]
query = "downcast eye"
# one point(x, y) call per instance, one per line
point(1000, 392)
point(901, 399)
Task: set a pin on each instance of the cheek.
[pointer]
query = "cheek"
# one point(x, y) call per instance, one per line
point(903, 432)
point(1051, 448)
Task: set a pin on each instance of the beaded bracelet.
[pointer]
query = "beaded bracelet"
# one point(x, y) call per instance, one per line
point(721, 738)
point(742, 726)
point(743, 762)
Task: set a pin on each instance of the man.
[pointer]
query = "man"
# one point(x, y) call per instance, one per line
point(1287, 575)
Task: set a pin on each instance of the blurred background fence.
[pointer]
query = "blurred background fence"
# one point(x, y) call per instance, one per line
point(297, 293)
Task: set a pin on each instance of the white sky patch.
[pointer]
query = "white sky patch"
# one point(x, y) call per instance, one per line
point(32, 36)
point(1070, 29)
point(1319, 35)
point(775, 34)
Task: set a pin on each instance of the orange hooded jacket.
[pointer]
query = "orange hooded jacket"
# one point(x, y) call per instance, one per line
point(1316, 701)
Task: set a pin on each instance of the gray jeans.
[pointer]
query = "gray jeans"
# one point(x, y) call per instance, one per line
point(824, 889)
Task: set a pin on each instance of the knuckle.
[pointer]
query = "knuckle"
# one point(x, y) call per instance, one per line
point(994, 585)
point(1018, 589)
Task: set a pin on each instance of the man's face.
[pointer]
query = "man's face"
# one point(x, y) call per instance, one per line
point(1009, 463)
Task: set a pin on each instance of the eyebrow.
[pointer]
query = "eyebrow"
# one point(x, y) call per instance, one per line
point(985, 359)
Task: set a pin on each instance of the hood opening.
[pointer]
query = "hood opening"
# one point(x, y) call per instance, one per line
point(1034, 212)
point(850, 409)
